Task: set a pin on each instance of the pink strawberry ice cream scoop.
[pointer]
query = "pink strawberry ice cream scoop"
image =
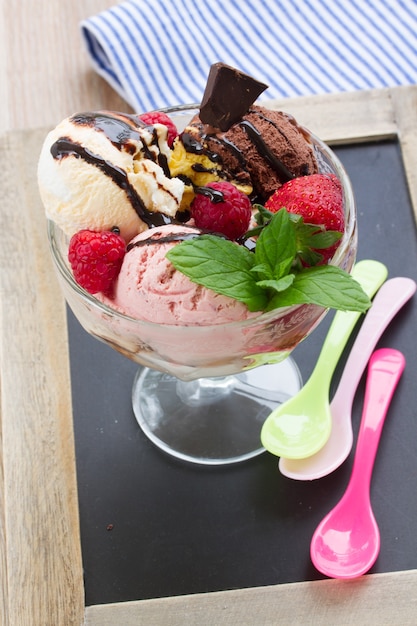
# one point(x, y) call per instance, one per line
point(149, 288)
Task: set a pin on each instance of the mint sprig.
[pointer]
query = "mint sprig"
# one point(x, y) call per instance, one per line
point(272, 275)
point(220, 265)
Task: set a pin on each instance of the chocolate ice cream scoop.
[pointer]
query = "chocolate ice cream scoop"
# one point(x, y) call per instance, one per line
point(262, 151)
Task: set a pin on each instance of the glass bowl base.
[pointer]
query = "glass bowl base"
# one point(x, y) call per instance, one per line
point(211, 421)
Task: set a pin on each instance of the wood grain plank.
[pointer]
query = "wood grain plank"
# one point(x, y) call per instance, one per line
point(342, 118)
point(45, 72)
point(405, 113)
point(377, 599)
point(43, 556)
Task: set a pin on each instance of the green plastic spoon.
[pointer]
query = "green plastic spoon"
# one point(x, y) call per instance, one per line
point(301, 426)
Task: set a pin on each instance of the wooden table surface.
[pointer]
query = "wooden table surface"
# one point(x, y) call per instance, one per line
point(45, 73)
point(45, 76)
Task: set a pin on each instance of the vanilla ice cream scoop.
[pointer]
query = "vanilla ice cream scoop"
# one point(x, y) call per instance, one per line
point(106, 170)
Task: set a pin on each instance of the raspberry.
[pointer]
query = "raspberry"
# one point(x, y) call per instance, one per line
point(157, 117)
point(96, 258)
point(228, 212)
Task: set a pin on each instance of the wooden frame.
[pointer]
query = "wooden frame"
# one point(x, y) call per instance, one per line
point(41, 578)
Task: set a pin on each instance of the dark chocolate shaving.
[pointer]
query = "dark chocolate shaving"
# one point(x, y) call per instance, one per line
point(228, 95)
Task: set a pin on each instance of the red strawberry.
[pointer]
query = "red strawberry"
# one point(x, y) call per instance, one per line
point(157, 117)
point(318, 199)
point(96, 258)
point(220, 207)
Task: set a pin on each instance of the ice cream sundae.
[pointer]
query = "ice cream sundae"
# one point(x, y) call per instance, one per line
point(220, 186)
point(200, 242)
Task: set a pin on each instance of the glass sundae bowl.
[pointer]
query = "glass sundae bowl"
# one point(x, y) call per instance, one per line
point(202, 393)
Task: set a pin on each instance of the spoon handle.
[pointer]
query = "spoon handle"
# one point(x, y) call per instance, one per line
point(370, 275)
point(385, 368)
point(388, 301)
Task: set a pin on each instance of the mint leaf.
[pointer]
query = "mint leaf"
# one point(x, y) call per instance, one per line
point(324, 239)
point(277, 285)
point(273, 275)
point(276, 247)
point(220, 265)
point(325, 285)
point(281, 269)
point(262, 218)
point(311, 238)
point(309, 257)
point(261, 271)
point(315, 236)
point(263, 215)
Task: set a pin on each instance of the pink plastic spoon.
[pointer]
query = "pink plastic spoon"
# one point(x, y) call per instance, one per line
point(346, 543)
point(388, 301)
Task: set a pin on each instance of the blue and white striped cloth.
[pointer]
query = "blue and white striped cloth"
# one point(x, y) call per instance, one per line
point(157, 53)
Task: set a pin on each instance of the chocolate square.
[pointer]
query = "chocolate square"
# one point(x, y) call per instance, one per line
point(228, 95)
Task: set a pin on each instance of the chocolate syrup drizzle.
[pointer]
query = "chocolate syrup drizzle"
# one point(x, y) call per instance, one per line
point(173, 237)
point(122, 132)
point(193, 145)
point(267, 154)
point(215, 195)
point(178, 237)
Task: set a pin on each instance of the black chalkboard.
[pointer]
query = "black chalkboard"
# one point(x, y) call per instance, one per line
point(152, 526)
